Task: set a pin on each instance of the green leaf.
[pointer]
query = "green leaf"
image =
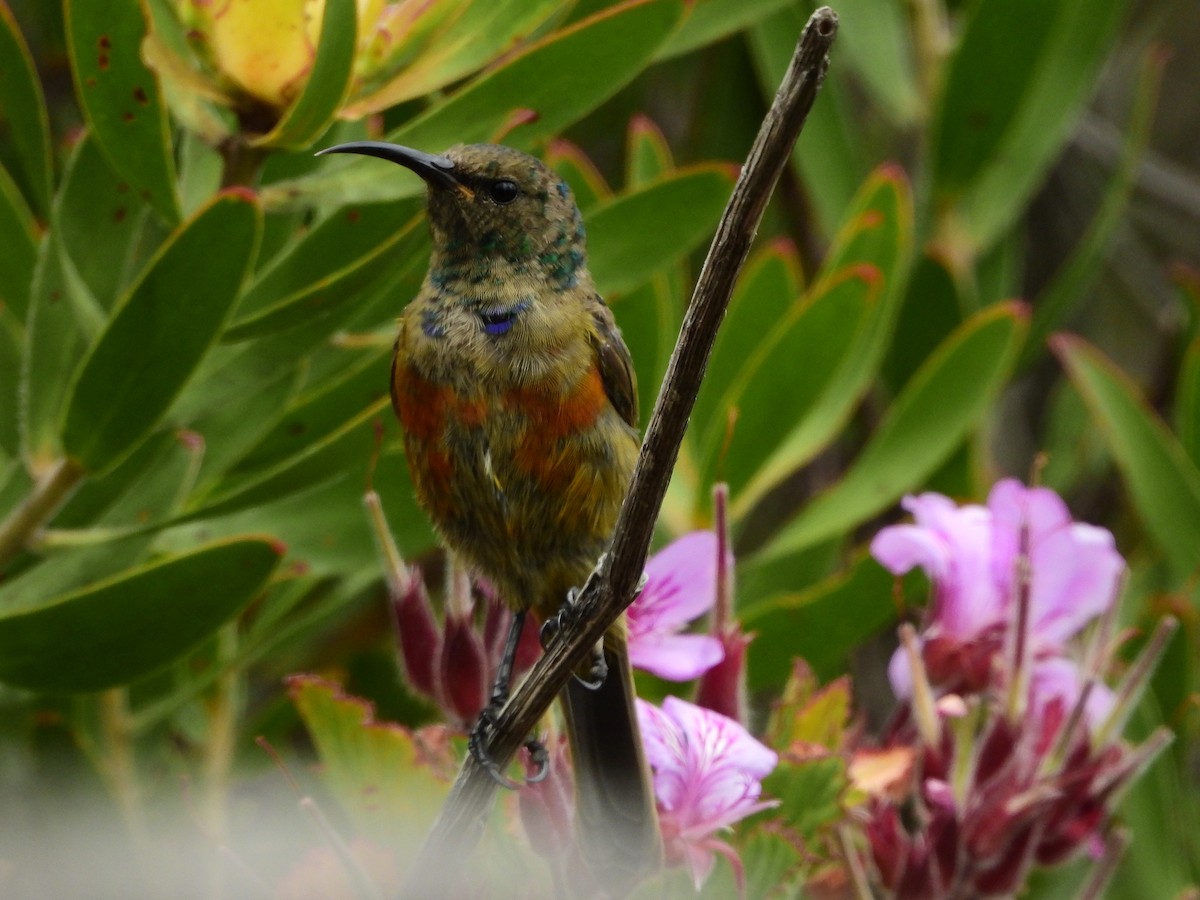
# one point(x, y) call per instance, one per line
point(650, 314)
point(138, 500)
point(876, 238)
point(770, 860)
point(1163, 483)
point(875, 40)
point(786, 376)
point(160, 332)
point(381, 773)
point(200, 171)
point(230, 430)
point(1076, 275)
point(126, 627)
point(63, 316)
point(766, 290)
point(647, 153)
point(1160, 810)
point(328, 266)
point(932, 309)
point(100, 501)
point(320, 412)
point(947, 396)
point(318, 462)
point(809, 713)
point(20, 248)
point(649, 318)
point(638, 233)
point(321, 519)
point(829, 153)
point(328, 83)
point(587, 184)
point(1187, 401)
point(821, 624)
point(710, 20)
point(1017, 83)
point(62, 322)
point(121, 99)
point(12, 335)
point(23, 115)
point(809, 791)
point(99, 220)
point(561, 78)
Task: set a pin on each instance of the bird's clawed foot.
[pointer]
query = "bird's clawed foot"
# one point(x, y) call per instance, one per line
point(568, 614)
point(565, 619)
point(598, 671)
point(481, 737)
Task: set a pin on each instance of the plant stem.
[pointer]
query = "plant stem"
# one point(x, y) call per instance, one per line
point(611, 587)
point(48, 494)
point(223, 713)
point(931, 36)
point(222, 731)
point(118, 763)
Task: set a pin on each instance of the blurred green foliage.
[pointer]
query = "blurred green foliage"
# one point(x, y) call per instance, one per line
point(195, 318)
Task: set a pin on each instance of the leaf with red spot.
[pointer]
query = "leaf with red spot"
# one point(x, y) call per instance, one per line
point(159, 332)
point(121, 99)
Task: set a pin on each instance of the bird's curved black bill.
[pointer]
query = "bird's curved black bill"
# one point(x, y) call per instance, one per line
point(436, 170)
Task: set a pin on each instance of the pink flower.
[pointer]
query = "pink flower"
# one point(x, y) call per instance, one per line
point(681, 585)
point(970, 552)
point(707, 775)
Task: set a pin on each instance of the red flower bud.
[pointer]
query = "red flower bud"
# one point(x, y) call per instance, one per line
point(723, 687)
point(417, 633)
point(463, 669)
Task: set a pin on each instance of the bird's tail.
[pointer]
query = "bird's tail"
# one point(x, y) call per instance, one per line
point(616, 821)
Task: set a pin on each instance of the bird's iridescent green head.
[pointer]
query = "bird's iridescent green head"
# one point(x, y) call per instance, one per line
point(491, 208)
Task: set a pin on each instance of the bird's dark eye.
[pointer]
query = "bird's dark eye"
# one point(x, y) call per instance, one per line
point(504, 191)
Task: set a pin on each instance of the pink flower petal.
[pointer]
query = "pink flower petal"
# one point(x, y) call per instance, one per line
point(707, 770)
point(681, 582)
point(1058, 678)
point(900, 548)
point(1076, 574)
point(953, 545)
point(681, 585)
point(900, 674)
point(719, 740)
point(678, 657)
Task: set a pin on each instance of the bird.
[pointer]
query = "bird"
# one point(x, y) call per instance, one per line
point(517, 400)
